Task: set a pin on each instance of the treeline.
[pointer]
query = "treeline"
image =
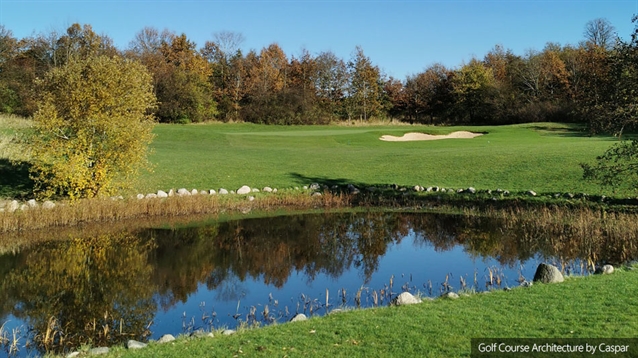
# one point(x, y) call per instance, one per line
point(592, 82)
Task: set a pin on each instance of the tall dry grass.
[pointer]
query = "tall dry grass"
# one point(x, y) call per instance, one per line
point(109, 211)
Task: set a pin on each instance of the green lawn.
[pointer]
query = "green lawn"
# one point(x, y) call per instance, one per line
point(590, 307)
point(543, 157)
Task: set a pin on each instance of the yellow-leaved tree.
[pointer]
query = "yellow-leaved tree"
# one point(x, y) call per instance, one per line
point(92, 127)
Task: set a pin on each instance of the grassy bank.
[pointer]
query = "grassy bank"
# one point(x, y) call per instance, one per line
point(589, 307)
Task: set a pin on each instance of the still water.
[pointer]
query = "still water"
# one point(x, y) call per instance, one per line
point(140, 285)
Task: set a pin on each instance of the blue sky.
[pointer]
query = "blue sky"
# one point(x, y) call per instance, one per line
point(401, 37)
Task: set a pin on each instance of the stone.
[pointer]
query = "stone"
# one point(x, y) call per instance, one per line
point(569, 195)
point(171, 192)
point(527, 284)
point(471, 190)
point(203, 192)
point(151, 196)
point(314, 186)
point(183, 192)
point(32, 203)
point(506, 192)
point(316, 193)
point(605, 270)
point(194, 192)
point(140, 196)
point(417, 188)
point(223, 191)
point(24, 207)
point(299, 317)
point(460, 190)
point(48, 204)
point(245, 189)
point(429, 189)
point(162, 194)
point(200, 333)
point(450, 295)
point(166, 338)
point(99, 350)
point(251, 198)
point(228, 332)
point(267, 189)
point(212, 192)
point(133, 344)
point(531, 193)
point(255, 190)
point(73, 354)
point(274, 190)
point(305, 187)
point(546, 273)
point(405, 298)
point(232, 192)
point(13, 206)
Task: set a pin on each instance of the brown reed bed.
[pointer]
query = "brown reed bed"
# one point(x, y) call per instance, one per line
point(109, 213)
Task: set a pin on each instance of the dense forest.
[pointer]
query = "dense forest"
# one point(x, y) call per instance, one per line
point(592, 82)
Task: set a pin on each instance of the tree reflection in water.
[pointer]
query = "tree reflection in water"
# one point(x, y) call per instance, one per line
point(107, 289)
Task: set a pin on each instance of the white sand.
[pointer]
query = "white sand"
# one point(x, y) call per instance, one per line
point(422, 136)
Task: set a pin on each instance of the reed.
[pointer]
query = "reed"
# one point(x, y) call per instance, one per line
point(106, 210)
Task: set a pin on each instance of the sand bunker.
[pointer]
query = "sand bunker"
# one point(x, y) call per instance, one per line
point(422, 136)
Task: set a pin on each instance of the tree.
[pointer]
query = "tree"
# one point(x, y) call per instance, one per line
point(474, 87)
point(365, 86)
point(600, 32)
point(92, 127)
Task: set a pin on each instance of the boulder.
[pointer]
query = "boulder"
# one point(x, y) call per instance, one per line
point(546, 273)
point(162, 194)
point(255, 190)
point(212, 192)
point(314, 186)
point(151, 196)
point(405, 298)
point(267, 189)
point(223, 191)
point(526, 284)
point(531, 193)
point(194, 192)
point(13, 206)
point(228, 332)
point(316, 193)
point(133, 344)
point(299, 317)
point(32, 203)
point(605, 270)
point(243, 190)
point(450, 295)
point(203, 192)
point(171, 192)
point(140, 196)
point(166, 338)
point(48, 204)
point(471, 190)
point(274, 190)
point(251, 198)
point(183, 192)
point(99, 350)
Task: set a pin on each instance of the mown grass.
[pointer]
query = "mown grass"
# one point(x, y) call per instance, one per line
point(591, 307)
point(544, 157)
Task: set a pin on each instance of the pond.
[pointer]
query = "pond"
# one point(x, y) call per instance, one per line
point(106, 289)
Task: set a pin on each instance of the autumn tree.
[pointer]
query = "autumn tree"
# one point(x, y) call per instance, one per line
point(364, 92)
point(92, 127)
point(428, 94)
point(228, 73)
point(473, 86)
point(331, 80)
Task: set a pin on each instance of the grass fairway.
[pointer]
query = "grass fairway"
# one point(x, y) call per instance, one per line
point(544, 157)
point(590, 307)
